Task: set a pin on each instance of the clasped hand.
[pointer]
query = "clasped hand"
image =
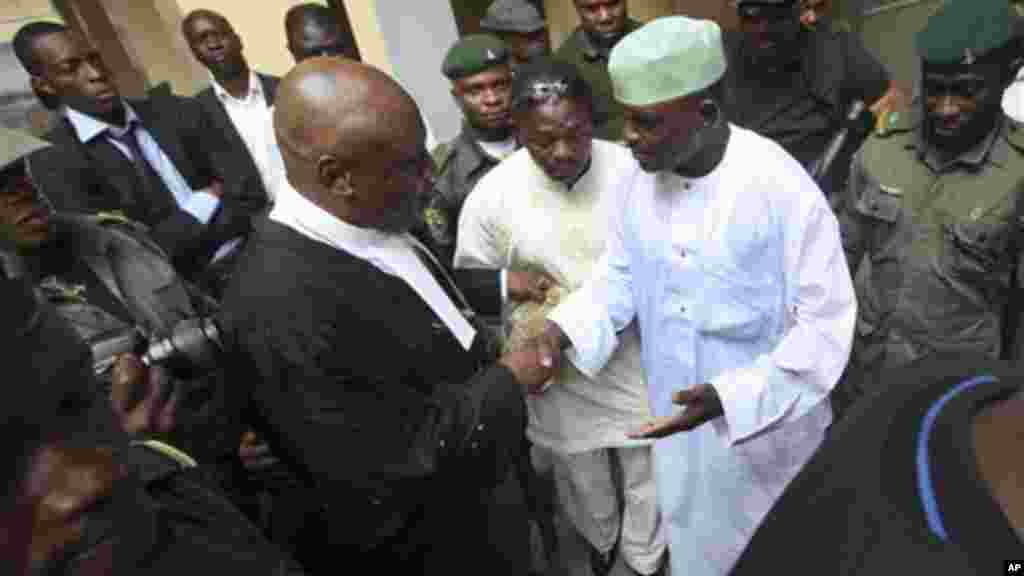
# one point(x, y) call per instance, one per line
point(526, 286)
point(538, 361)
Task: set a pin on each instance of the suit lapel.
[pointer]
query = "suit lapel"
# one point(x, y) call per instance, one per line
point(214, 109)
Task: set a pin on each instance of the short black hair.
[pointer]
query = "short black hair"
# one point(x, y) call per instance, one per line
point(194, 15)
point(25, 39)
point(318, 14)
point(545, 78)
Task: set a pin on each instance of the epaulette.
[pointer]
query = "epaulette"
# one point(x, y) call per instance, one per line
point(442, 155)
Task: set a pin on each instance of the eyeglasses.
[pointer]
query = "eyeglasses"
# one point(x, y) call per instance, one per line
point(539, 92)
point(963, 85)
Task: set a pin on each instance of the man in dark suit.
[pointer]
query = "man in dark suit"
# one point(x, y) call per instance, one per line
point(237, 104)
point(374, 384)
point(148, 159)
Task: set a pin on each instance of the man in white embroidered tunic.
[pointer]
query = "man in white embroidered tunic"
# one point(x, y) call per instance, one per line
point(728, 256)
point(543, 208)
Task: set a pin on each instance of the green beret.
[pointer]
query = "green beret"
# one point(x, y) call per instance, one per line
point(962, 31)
point(472, 55)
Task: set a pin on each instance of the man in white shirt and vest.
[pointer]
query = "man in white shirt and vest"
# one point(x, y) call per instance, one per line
point(544, 208)
point(728, 257)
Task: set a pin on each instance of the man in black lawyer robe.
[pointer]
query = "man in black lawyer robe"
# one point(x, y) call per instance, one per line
point(369, 378)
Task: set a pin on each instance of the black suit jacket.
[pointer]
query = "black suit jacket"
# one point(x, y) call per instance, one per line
point(94, 177)
point(365, 391)
point(244, 184)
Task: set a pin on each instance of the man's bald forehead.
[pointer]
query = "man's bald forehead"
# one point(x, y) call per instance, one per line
point(323, 101)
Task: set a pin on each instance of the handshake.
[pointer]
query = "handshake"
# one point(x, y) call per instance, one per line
point(535, 363)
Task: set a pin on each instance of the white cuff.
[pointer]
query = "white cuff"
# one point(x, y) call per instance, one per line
point(202, 205)
point(591, 332)
point(503, 279)
point(750, 405)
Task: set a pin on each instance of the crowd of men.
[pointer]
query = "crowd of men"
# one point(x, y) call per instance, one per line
point(673, 301)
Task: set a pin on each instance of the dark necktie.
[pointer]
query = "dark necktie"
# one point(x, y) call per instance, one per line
point(145, 198)
point(485, 346)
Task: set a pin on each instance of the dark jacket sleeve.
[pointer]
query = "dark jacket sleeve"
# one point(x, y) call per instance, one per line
point(379, 439)
point(482, 288)
point(868, 79)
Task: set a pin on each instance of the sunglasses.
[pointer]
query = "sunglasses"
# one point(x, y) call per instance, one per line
point(962, 85)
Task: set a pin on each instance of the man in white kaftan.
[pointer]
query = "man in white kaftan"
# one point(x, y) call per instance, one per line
point(520, 217)
point(728, 256)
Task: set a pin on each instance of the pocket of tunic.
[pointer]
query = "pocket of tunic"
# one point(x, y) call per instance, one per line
point(731, 308)
point(971, 251)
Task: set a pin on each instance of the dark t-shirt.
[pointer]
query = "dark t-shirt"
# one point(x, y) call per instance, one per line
point(859, 506)
point(801, 108)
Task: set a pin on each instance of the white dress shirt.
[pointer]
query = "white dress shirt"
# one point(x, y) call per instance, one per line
point(390, 253)
point(199, 203)
point(517, 217)
point(737, 279)
point(250, 116)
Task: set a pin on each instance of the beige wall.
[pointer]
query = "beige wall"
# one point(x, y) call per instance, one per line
point(373, 49)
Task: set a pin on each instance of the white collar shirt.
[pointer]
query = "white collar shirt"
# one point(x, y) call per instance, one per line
point(390, 253)
point(251, 115)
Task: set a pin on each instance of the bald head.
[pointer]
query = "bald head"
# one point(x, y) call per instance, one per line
point(341, 107)
point(353, 143)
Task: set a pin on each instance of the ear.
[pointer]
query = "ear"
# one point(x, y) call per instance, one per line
point(42, 86)
point(334, 177)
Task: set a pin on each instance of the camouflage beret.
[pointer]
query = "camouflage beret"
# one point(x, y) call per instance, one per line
point(472, 55)
point(962, 31)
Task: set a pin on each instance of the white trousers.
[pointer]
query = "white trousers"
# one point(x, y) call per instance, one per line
point(609, 496)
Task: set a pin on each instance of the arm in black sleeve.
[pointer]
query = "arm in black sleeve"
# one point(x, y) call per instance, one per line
point(867, 79)
point(482, 288)
point(373, 436)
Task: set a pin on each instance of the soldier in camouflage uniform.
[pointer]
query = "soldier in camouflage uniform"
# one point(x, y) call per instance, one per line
point(934, 209)
point(478, 67)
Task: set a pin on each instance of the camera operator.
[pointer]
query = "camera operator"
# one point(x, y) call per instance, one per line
point(107, 278)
